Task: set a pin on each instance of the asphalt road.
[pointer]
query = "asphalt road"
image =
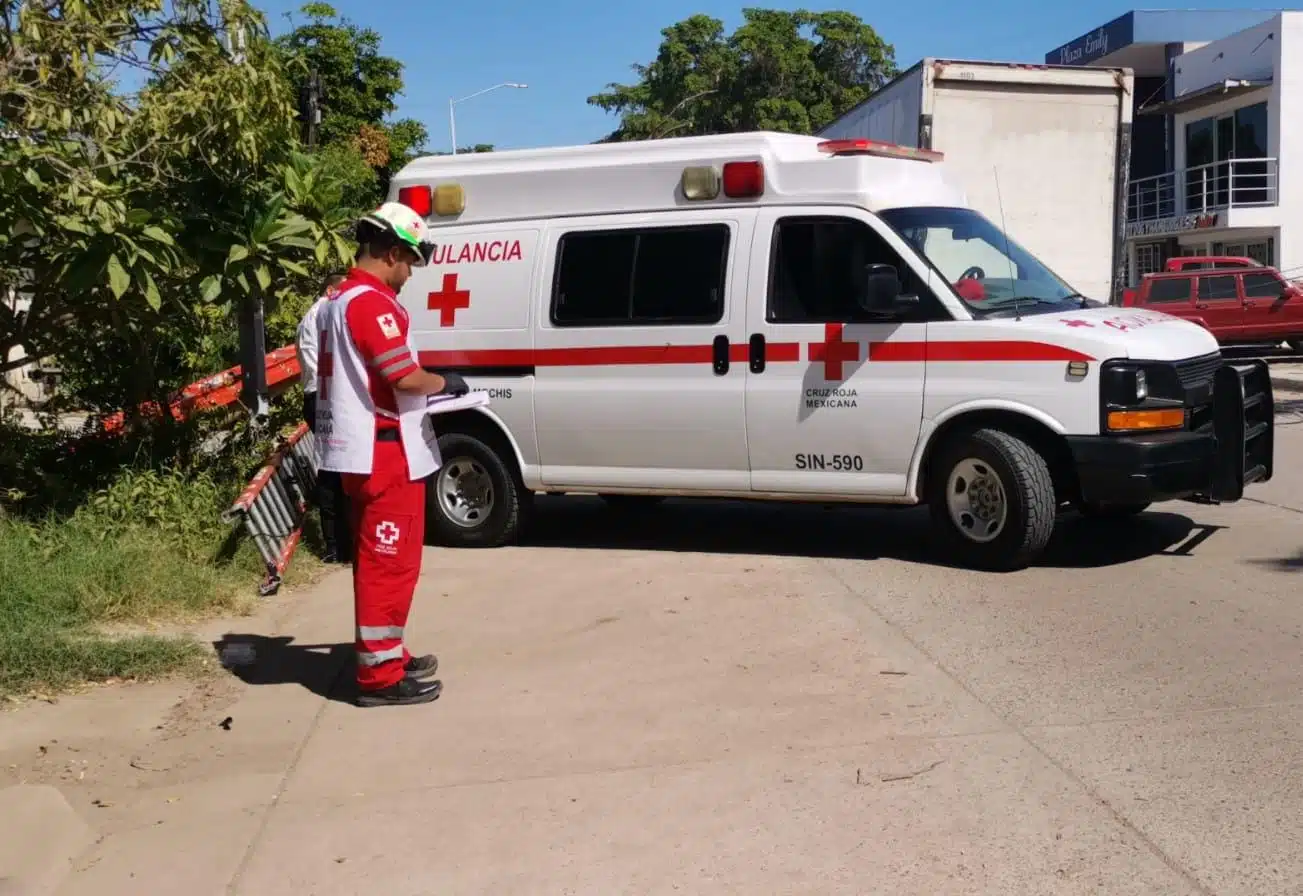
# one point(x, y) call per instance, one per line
point(730, 698)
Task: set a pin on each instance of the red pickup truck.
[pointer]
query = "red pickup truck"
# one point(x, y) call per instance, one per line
point(1239, 301)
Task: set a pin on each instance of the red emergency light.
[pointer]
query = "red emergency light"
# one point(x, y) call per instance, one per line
point(877, 148)
point(418, 199)
point(743, 180)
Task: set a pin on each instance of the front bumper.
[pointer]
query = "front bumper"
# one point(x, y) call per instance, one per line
point(1235, 448)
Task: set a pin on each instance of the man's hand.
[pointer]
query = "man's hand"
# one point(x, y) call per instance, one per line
point(454, 385)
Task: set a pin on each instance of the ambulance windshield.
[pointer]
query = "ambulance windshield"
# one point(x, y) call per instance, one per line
point(987, 269)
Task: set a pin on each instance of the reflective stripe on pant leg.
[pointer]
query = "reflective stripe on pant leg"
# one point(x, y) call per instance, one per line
point(382, 595)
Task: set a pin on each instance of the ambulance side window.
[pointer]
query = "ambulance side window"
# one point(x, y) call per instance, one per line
point(814, 268)
point(641, 277)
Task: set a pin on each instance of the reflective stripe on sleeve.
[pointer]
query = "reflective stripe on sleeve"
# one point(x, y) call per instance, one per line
point(381, 359)
point(394, 367)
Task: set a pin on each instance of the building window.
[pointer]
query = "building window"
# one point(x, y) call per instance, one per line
point(1252, 182)
point(648, 277)
point(1149, 259)
point(1226, 161)
point(1261, 251)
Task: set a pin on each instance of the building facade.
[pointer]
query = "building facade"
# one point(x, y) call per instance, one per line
point(1213, 135)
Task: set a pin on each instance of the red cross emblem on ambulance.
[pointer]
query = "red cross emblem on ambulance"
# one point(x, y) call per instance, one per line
point(833, 352)
point(448, 300)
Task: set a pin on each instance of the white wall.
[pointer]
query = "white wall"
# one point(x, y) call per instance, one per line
point(1287, 122)
point(1248, 54)
point(1272, 50)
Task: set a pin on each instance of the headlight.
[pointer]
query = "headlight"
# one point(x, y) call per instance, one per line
point(1140, 396)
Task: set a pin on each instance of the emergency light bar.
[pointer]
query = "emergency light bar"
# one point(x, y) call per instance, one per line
point(875, 148)
point(445, 200)
point(737, 180)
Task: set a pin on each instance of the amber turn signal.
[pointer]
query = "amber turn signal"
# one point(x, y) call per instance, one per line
point(1131, 421)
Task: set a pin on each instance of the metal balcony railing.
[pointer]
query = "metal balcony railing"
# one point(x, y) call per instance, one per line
point(1205, 188)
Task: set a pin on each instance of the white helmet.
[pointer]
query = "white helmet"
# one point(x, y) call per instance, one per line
point(404, 223)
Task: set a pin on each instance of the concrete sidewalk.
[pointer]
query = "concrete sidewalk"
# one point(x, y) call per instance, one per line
point(613, 721)
point(1287, 377)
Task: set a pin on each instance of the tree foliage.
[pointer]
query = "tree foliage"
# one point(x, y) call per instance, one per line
point(149, 185)
point(359, 87)
point(791, 71)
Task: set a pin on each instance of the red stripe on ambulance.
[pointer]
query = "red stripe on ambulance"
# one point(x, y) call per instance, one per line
point(775, 353)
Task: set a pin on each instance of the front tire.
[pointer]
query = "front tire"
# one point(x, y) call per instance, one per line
point(475, 500)
point(992, 500)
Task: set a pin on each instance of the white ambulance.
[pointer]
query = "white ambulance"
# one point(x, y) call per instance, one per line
point(776, 317)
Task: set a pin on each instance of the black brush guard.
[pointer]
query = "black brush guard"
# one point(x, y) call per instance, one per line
point(1244, 413)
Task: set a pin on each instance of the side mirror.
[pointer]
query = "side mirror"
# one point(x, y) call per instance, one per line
point(880, 290)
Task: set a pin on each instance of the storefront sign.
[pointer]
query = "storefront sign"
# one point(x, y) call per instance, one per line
point(1179, 224)
point(1098, 43)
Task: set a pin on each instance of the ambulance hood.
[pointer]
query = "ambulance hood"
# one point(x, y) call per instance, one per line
point(1112, 332)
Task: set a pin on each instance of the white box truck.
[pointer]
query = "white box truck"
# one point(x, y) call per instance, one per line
point(1041, 150)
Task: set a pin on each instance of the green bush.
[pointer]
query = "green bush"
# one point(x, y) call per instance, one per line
point(147, 546)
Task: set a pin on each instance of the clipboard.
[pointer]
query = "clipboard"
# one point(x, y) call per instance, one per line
point(444, 404)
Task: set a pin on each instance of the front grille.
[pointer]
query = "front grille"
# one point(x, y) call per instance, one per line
point(1196, 376)
point(1195, 372)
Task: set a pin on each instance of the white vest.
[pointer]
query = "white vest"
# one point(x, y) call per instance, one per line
point(346, 415)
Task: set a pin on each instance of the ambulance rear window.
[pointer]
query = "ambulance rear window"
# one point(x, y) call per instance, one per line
point(644, 276)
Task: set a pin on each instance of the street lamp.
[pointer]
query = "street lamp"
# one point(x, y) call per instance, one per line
point(452, 116)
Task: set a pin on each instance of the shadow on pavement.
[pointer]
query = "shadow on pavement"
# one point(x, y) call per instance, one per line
point(845, 531)
point(1284, 564)
point(260, 659)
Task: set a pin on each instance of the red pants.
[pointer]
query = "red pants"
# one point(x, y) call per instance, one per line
point(389, 526)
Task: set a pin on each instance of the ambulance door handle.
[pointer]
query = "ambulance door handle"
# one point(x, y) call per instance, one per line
point(719, 359)
point(757, 354)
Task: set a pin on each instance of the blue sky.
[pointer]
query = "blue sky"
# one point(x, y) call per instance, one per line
point(567, 50)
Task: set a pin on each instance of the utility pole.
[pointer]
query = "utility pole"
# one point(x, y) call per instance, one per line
point(310, 108)
point(253, 358)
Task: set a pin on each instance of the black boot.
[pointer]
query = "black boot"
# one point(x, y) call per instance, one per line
point(407, 692)
point(421, 667)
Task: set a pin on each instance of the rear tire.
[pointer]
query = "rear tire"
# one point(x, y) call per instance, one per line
point(992, 500)
point(475, 500)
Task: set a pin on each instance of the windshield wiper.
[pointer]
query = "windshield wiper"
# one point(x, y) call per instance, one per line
point(1014, 301)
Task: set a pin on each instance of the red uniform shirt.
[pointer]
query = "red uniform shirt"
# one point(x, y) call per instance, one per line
point(379, 325)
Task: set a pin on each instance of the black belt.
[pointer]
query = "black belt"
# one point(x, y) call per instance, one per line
point(388, 435)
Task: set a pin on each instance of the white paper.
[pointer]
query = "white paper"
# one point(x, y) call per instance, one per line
point(443, 404)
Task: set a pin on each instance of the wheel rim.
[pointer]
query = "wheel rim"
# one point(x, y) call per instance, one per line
point(976, 500)
point(465, 491)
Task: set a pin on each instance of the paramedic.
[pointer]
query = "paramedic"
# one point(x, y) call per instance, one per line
point(371, 412)
point(331, 504)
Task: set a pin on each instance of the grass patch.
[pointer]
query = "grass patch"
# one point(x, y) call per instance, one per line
point(146, 550)
point(104, 536)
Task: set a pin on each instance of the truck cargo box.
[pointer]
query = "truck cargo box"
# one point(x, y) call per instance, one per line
point(1042, 150)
